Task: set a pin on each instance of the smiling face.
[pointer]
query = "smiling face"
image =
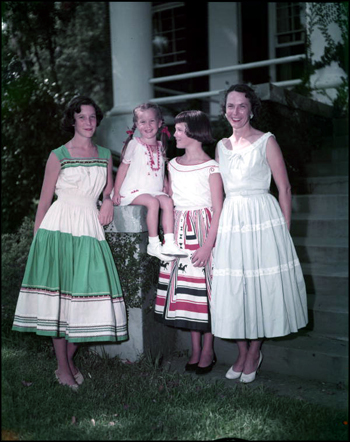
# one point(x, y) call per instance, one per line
point(148, 124)
point(182, 140)
point(85, 121)
point(238, 109)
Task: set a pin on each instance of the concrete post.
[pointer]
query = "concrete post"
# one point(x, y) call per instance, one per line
point(132, 68)
point(145, 335)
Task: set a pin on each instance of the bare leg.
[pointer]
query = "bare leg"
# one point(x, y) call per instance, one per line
point(253, 355)
point(167, 206)
point(207, 355)
point(63, 369)
point(196, 347)
point(152, 205)
point(242, 355)
point(71, 350)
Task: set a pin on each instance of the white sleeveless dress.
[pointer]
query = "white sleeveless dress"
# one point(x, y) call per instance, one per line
point(145, 173)
point(258, 289)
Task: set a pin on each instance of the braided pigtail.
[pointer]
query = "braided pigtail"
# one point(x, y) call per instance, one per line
point(164, 136)
point(127, 141)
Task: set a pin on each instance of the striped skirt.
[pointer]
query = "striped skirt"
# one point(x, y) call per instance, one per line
point(184, 291)
point(71, 287)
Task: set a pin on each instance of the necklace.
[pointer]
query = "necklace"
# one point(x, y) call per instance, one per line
point(152, 163)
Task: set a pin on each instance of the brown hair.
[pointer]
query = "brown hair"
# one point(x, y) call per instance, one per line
point(197, 125)
point(255, 102)
point(74, 107)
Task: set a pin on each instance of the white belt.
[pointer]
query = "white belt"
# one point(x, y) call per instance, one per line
point(246, 193)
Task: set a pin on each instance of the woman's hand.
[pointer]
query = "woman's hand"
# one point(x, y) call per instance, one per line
point(106, 212)
point(201, 256)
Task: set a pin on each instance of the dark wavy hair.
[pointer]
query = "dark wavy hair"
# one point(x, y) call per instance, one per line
point(197, 125)
point(74, 106)
point(249, 93)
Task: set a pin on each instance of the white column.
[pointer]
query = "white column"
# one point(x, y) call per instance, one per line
point(224, 45)
point(132, 68)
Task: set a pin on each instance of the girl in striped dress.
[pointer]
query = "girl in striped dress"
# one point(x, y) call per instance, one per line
point(184, 288)
point(71, 290)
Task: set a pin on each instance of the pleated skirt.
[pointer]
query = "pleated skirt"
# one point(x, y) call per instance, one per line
point(71, 287)
point(258, 288)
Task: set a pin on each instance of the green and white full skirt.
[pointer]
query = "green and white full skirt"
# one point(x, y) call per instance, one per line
point(71, 287)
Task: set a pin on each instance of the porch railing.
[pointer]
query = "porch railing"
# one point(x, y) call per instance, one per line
point(178, 96)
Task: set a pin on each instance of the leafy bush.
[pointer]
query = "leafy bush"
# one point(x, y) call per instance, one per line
point(47, 58)
point(137, 271)
point(15, 248)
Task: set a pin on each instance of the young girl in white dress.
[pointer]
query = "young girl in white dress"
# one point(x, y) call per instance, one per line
point(140, 179)
point(184, 288)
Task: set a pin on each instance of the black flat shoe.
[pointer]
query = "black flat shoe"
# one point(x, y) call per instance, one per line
point(208, 368)
point(191, 367)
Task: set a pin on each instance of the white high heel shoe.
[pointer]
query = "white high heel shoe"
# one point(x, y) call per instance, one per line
point(231, 374)
point(246, 378)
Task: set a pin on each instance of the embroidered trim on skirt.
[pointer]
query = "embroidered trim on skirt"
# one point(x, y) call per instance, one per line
point(184, 291)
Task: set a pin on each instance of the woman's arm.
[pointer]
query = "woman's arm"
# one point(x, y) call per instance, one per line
point(52, 170)
point(106, 212)
point(279, 172)
point(216, 189)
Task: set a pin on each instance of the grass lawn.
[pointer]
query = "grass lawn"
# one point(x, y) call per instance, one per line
point(141, 401)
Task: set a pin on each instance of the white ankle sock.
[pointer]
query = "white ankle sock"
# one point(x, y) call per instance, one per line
point(169, 237)
point(153, 239)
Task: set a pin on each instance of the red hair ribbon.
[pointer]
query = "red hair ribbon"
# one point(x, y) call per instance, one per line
point(130, 132)
point(165, 130)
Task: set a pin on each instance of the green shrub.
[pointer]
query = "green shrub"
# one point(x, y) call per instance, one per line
point(15, 248)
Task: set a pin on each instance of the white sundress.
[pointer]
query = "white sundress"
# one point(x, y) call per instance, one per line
point(145, 173)
point(258, 288)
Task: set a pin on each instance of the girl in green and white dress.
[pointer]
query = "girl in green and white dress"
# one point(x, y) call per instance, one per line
point(71, 290)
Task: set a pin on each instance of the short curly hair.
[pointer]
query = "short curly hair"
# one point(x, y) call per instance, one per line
point(249, 93)
point(74, 106)
point(197, 125)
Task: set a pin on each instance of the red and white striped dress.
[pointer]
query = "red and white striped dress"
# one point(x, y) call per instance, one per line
point(184, 291)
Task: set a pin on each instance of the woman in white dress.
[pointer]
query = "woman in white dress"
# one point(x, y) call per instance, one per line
point(258, 287)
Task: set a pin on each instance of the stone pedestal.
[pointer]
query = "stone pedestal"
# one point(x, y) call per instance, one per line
point(145, 335)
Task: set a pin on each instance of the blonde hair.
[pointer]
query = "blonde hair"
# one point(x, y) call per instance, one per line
point(163, 137)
